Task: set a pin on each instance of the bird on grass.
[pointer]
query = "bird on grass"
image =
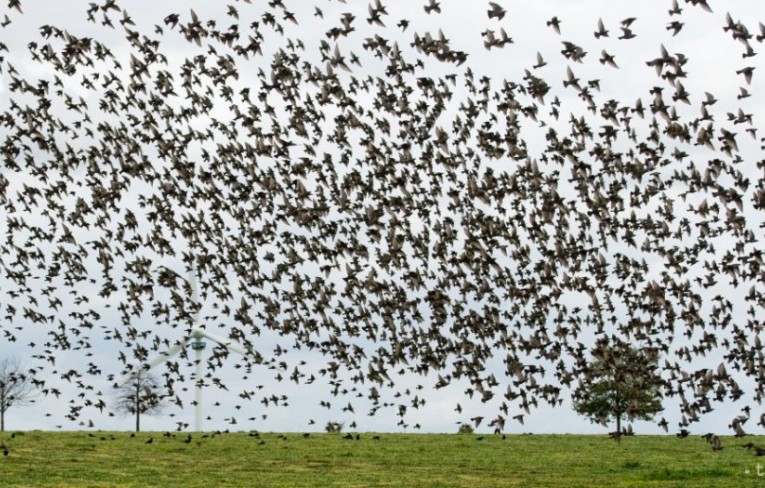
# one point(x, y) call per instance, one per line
point(713, 441)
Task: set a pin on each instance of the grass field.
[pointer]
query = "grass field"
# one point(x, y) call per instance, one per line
point(103, 459)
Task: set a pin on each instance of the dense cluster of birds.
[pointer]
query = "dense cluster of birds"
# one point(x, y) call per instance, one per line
point(378, 202)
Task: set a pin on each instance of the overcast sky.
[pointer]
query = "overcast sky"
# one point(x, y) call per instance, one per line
point(713, 58)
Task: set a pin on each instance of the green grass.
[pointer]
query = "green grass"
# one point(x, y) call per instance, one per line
point(63, 459)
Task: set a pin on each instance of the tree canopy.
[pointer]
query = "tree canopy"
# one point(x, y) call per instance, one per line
point(621, 382)
point(141, 395)
point(16, 387)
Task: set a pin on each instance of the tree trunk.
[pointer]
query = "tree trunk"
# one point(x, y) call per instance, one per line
point(137, 408)
point(618, 415)
point(2, 420)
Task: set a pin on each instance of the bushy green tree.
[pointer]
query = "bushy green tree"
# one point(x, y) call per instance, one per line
point(620, 382)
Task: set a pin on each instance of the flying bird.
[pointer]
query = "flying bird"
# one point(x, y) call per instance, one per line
point(496, 11)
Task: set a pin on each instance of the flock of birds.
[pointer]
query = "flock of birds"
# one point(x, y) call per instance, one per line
point(364, 194)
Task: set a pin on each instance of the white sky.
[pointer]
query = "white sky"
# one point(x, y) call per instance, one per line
point(713, 59)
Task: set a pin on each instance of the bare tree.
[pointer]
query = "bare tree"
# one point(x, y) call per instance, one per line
point(140, 396)
point(16, 387)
